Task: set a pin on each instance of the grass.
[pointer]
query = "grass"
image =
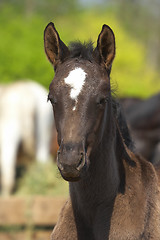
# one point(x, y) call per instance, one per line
point(42, 179)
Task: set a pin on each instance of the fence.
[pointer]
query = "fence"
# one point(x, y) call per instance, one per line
point(30, 218)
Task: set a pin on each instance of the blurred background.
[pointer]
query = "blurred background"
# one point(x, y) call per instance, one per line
point(29, 177)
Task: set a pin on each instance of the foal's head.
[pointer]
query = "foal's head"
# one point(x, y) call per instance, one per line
point(79, 94)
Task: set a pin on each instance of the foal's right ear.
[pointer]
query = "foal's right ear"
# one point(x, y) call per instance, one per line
point(55, 49)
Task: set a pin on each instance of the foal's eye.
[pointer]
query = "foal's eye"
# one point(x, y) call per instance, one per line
point(51, 99)
point(101, 102)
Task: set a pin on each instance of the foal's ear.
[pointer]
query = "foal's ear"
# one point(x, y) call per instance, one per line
point(55, 49)
point(106, 46)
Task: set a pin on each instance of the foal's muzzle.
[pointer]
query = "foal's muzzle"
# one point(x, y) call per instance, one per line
point(71, 161)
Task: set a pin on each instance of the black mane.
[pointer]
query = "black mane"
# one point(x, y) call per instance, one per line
point(121, 119)
point(81, 50)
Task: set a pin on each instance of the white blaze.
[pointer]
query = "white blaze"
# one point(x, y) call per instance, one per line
point(76, 80)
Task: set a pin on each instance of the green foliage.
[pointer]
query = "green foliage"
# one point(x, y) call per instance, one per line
point(22, 55)
point(22, 52)
point(42, 179)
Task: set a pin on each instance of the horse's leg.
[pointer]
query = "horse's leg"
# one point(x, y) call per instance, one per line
point(44, 121)
point(28, 130)
point(9, 147)
point(65, 228)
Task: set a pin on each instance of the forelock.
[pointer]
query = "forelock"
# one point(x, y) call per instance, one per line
point(81, 50)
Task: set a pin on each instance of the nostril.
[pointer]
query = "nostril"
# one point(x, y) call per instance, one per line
point(58, 162)
point(60, 166)
point(81, 162)
point(81, 158)
point(82, 155)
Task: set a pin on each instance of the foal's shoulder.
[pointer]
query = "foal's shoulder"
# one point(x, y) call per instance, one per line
point(136, 209)
point(143, 170)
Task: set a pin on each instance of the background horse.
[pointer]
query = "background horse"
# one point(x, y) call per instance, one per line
point(114, 194)
point(143, 117)
point(26, 120)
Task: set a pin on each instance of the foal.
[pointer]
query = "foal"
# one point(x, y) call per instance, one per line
point(113, 194)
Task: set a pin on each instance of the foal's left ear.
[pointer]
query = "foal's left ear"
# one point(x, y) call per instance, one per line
point(55, 49)
point(106, 46)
